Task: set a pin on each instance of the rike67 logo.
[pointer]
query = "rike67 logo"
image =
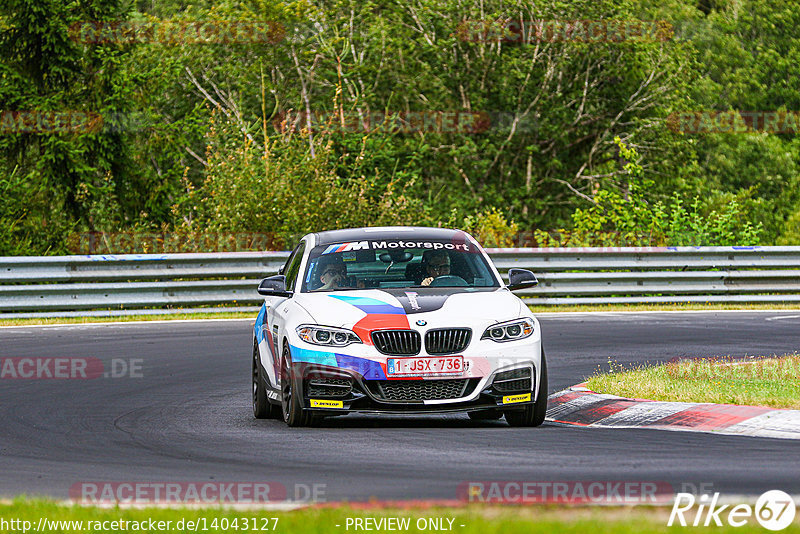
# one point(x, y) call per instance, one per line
point(774, 510)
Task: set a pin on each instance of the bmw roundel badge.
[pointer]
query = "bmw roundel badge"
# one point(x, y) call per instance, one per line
point(422, 322)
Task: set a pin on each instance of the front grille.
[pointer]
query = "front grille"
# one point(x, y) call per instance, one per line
point(447, 340)
point(514, 380)
point(421, 390)
point(397, 342)
point(329, 387)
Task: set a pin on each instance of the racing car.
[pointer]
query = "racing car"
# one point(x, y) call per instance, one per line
point(396, 320)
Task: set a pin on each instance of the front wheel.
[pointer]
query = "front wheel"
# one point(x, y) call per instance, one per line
point(291, 393)
point(262, 408)
point(532, 414)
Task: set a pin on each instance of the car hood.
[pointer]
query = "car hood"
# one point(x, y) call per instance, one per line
point(391, 308)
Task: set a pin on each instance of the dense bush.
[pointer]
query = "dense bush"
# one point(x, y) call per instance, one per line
point(279, 185)
point(217, 138)
point(631, 220)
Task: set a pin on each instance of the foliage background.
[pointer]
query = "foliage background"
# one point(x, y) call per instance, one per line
point(213, 138)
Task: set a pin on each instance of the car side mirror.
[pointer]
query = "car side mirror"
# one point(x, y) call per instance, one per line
point(521, 279)
point(274, 286)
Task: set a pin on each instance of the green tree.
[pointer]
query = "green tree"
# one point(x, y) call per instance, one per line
point(83, 178)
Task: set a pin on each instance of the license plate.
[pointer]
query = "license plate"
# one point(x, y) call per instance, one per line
point(444, 365)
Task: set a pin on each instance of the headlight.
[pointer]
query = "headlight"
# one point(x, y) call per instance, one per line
point(509, 331)
point(327, 336)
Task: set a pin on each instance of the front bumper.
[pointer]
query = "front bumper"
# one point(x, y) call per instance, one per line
point(333, 390)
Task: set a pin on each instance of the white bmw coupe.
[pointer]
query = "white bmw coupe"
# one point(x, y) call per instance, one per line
point(396, 320)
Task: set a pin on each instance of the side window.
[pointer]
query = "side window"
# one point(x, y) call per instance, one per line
point(293, 266)
point(285, 266)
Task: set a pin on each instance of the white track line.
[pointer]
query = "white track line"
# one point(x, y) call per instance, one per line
point(538, 314)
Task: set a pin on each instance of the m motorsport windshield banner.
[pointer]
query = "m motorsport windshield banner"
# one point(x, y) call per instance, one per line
point(386, 244)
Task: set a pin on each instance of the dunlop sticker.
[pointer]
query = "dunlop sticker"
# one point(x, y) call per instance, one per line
point(511, 399)
point(318, 403)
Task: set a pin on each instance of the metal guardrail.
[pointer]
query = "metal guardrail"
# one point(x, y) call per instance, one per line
point(567, 276)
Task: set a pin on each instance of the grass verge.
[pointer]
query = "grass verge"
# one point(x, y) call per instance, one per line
point(535, 309)
point(755, 381)
point(127, 318)
point(678, 306)
point(468, 520)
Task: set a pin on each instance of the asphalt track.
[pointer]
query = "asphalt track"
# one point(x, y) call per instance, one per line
point(188, 417)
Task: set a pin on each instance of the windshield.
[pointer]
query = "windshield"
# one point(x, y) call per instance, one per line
point(393, 264)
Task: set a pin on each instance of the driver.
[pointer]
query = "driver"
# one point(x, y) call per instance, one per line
point(436, 263)
point(332, 273)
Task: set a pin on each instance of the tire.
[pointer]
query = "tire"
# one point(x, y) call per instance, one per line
point(485, 415)
point(291, 393)
point(532, 414)
point(262, 408)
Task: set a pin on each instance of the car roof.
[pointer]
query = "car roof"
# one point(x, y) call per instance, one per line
point(388, 232)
